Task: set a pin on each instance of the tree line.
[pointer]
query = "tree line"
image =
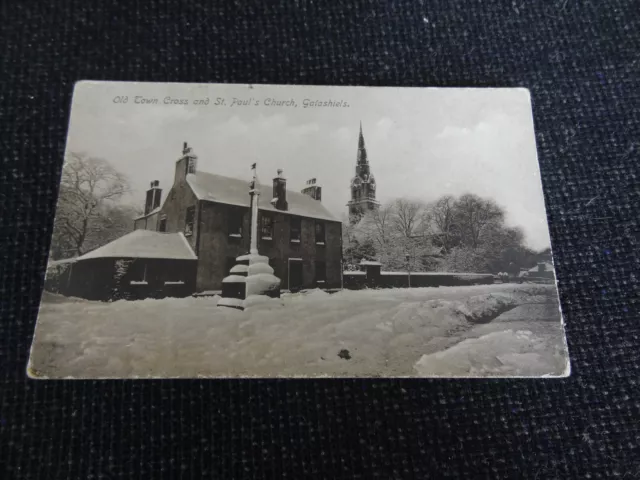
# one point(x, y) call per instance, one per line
point(454, 234)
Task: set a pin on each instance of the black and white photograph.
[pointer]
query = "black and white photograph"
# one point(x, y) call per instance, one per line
point(223, 231)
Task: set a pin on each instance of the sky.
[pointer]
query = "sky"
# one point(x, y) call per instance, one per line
point(422, 143)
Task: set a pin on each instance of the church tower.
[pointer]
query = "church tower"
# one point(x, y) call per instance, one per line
point(363, 185)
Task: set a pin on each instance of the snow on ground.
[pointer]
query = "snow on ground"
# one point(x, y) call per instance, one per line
point(509, 352)
point(443, 331)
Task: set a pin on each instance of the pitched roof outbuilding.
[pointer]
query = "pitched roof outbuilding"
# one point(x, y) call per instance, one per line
point(145, 244)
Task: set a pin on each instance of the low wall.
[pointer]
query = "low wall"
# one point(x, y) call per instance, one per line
point(354, 280)
point(404, 280)
point(376, 279)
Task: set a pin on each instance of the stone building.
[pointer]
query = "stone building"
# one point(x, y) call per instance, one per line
point(140, 264)
point(302, 239)
point(363, 185)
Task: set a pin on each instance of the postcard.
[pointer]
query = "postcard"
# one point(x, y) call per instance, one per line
point(256, 231)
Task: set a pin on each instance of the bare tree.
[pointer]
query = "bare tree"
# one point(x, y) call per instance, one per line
point(412, 224)
point(375, 231)
point(443, 218)
point(504, 249)
point(399, 233)
point(465, 234)
point(477, 238)
point(410, 218)
point(379, 225)
point(473, 215)
point(89, 188)
point(499, 237)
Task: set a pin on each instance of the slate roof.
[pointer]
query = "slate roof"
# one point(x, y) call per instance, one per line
point(233, 191)
point(145, 244)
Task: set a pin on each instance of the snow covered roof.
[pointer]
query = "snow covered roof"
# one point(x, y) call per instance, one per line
point(152, 212)
point(369, 262)
point(233, 191)
point(54, 263)
point(548, 267)
point(145, 244)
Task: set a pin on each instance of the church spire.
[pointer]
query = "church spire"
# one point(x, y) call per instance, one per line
point(363, 185)
point(362, 150)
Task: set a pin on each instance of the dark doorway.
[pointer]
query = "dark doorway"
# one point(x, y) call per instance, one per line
point(162, 226)
point(321, 273)
point(229, 264)
point(295, 275)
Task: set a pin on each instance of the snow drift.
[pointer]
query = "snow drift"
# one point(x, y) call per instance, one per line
point(391, 332)
point(506, 353)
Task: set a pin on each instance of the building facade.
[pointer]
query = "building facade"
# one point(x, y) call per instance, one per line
point(363, 185)
point(302, 239)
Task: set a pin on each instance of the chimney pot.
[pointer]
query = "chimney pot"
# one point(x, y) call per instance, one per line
point(186, 164)
point(153, 197)
point(280, 192)
point(312, 190)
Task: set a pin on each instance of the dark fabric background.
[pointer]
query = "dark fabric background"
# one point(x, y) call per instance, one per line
point(581, 60)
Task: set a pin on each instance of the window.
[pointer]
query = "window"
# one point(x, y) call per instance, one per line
point(321, 272)
point(235, 222)
point(138, 272)
point(188, 223)
point(171, 277)
point(320, 233)
point(266, 227)
point(162, 225)
point(295, 229)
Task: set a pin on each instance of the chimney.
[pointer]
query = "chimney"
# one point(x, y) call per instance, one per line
point(157, 197)
point(186, 164)
point(313, 190)
point(154, 197)
point(280, 192)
